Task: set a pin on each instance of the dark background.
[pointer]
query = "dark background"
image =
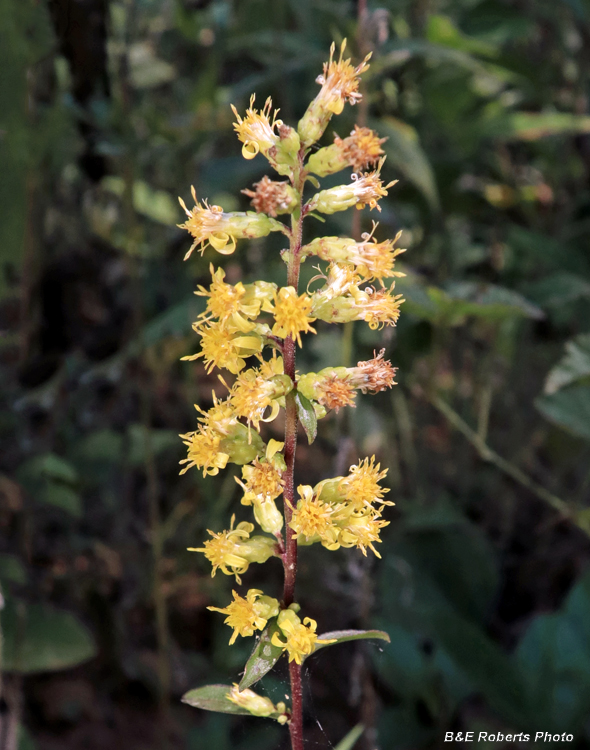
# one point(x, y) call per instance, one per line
point(108, 111)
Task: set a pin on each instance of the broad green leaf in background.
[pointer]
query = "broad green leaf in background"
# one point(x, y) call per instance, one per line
point(405, 154)
point(154, 204)
point(263, 658)
point(160, 441)
point(554, 659)
point(51, 480)
point(558, 289)
point(532, 126)
point(12, 569)
point(573, 367)
point(307, 416)
point(569, 408)
point(40, 638)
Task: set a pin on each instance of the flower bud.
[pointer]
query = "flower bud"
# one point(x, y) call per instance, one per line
point(256, 704)
point(267, 515)
point(242, 445)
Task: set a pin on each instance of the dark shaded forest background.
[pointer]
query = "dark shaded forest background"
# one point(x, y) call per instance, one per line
point(110, 109)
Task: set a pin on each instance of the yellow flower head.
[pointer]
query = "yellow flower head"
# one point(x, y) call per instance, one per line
point(256, 704)
point(375, 260)
point(361, 148)
point(361, 487)
point(374, 375)
point(379, 307)
point(253, 393)
point(271, 197)
point(292, 314)
point(223, 345)
point(256, 130)
point(227, 302)
point(312, 518)
point(249, 614)
point(364, 190)
point(220, 418)
point(336, 392)
point(204, 452)
point(232, 551)
point(361, 529)
point(300, 636)
point(207, 225)
point(369, 188)
point(340, 81)
point(262, 479)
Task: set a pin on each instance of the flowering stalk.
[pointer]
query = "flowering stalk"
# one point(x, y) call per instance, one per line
point(243, 321)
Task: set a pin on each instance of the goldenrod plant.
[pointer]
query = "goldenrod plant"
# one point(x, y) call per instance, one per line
point(262, 324)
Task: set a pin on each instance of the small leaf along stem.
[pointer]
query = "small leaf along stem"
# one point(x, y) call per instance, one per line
point(290, 557)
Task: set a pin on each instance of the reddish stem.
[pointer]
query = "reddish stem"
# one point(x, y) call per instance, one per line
point(290, 556)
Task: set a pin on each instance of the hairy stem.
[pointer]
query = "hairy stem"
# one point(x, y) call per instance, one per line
point(290, 558)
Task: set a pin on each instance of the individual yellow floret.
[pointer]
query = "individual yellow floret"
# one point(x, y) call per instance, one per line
point(292, 314)
point(312, 519)
point(250, 614)
point(232, 551)
point(300, 636)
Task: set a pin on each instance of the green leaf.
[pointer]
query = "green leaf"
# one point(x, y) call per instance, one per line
point(482, 661)
point(348, 742)
point(569, 408)
point(341, 636)
point(40, 638)
point(263, 658)
point(154, 204)
point(404, 152)
point(51, 480)
point(11, 569)
point(307, 416)
point(573, 367)
point(558, 289)
point(532, 126)
point(213, 698)
point(159, 441)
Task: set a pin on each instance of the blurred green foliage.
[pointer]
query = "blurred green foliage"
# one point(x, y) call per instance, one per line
point(108, 112)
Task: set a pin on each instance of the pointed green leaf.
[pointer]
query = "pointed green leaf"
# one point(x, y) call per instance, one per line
point(213, 698)
point(341, 636)
point(573, 368)
point(40, 638)
point(348, 742)
point(263, 658)
point(568, 408)
point(307, 416)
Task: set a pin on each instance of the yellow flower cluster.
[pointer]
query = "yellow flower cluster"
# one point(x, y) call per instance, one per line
point(343, 511)
point(245, 320)
point(342, 300)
